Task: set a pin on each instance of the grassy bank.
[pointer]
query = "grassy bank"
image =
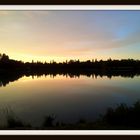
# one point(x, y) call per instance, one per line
point(120, 118)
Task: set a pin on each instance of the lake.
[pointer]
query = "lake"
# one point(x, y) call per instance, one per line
point(31, 98)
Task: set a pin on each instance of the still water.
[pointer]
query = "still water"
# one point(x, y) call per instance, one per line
point(69, 99)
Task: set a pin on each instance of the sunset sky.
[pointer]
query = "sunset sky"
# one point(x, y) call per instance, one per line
point(61, 35)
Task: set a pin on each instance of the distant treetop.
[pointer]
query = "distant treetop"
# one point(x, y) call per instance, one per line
point(4, 57)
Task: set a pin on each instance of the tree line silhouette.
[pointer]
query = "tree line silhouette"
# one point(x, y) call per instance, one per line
point(11, 70)
point(123, 64)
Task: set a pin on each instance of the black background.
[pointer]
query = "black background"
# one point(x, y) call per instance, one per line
point(70, 2)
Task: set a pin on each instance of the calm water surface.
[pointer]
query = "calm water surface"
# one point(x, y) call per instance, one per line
point(70, 99)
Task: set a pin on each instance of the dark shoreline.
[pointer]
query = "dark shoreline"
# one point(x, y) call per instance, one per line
point(7, 75)
point(120, 118)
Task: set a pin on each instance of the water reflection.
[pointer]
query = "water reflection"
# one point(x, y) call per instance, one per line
point(6, 78)
point(70, 96)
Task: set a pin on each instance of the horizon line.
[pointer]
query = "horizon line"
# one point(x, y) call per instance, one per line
point(68, 60)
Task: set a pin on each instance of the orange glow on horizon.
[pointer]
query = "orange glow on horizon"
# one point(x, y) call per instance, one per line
point(69, 35)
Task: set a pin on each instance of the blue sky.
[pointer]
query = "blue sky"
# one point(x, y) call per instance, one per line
point(61, 35)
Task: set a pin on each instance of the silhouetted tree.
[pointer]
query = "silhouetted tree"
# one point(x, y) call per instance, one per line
point(124, 67)
point(4, 57)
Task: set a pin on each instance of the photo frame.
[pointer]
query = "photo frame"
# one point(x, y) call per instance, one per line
point(95, 135)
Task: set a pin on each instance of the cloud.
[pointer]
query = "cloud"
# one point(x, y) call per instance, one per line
point(4, 13)
point(34, 14)
point(102, 44)
point(69, 33)
point(132, 39)
point(24, 15)
point(3, 30)
point(129, 40)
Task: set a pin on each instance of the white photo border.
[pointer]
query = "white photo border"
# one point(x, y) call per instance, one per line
point(69, 7)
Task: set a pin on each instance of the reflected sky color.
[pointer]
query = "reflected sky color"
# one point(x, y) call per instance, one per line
point(61, 35)
point(70, 99)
